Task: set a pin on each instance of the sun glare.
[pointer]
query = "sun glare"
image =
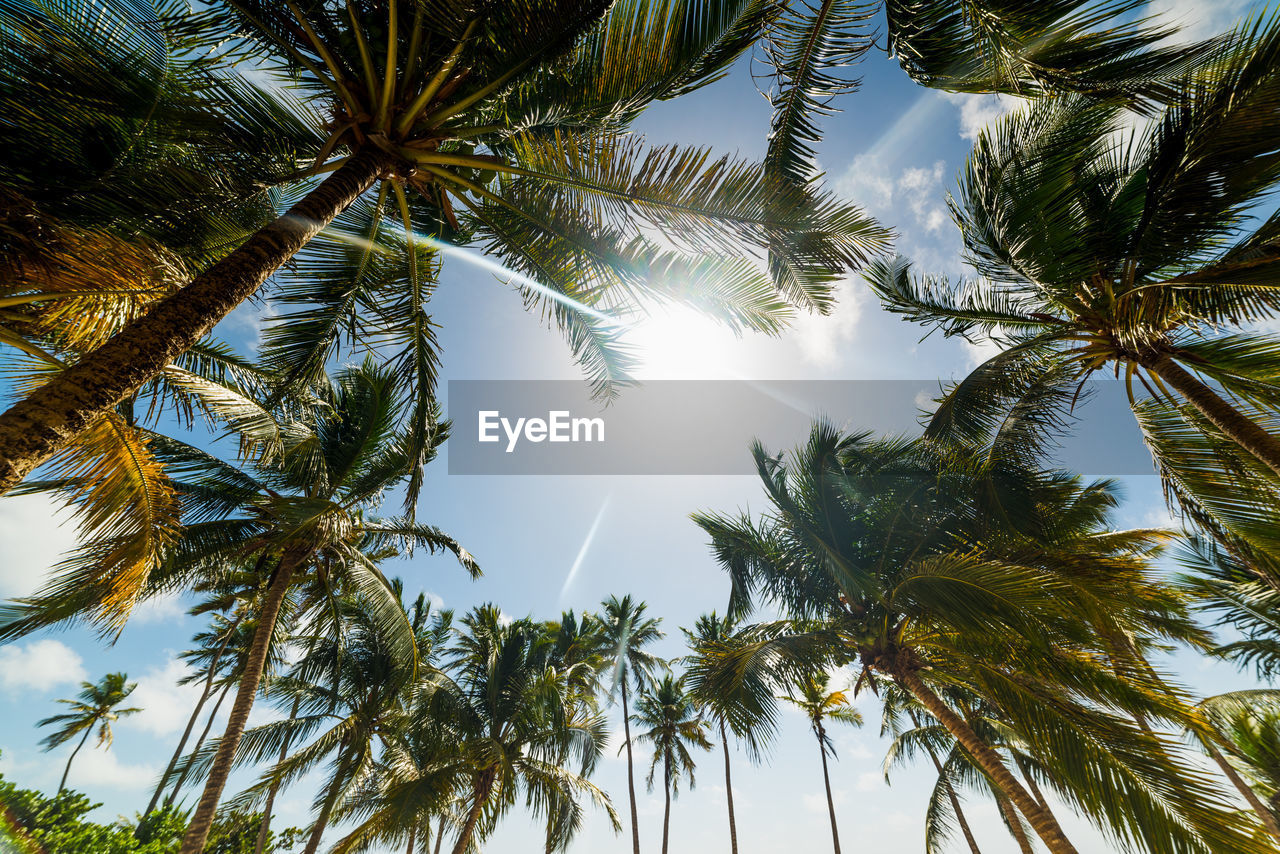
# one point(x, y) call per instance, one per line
point(677, 343)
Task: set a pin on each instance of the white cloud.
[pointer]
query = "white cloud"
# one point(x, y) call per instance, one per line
point(99, 767)
point(160, 609)
point(36, 534)
point(820, 337)
point(870, 781)
point(39, 665)
point(1198, 19)
point(165, 704)
point(979, 111)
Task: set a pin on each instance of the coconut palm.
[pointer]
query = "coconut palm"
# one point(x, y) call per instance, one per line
point(668, 720)
point(1246, 726)
point(517, 724)
point(749, 713)
point(95, 707)
point(626, 633)
point(1135, 252)
point(821, 706)
point(500, 126)
point(944, 568)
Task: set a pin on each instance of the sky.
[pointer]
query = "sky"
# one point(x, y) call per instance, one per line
point(550, 543)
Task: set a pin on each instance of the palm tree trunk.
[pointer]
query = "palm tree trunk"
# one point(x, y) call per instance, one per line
point(1014, 821)
point(195, 751)
point(265, 829)
point(955, 801)
point(1265, 814)
point(440, 836)
point(63, 784)
point(473, 817)
point(195, 715)
point(728, 792)
point(36, 427)
point(1042, 821)
point(413, 838)
point(631, 774)
point(826, 783)
point(1236, 425)
point(202, 821)
point(326, 810)
point(666, 810)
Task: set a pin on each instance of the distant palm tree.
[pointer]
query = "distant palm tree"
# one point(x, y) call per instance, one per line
point(669, 721)
point(819, 706)
point(94, 707)
point(941, 567)
point(626, 632)
point(747, 711)
point(1246, 726)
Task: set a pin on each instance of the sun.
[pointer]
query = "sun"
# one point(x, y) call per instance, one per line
point(678, 343)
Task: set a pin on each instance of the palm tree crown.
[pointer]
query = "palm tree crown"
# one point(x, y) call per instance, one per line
point(95, 707)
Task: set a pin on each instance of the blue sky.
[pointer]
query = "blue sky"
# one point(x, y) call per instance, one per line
point(895, 149)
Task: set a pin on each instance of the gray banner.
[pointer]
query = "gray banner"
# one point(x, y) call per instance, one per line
point(696, 427)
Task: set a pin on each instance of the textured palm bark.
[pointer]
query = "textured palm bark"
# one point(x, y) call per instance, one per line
point(666, 810)
point(728, 791)
point(413, 838)
point(1238, 427)
point(631, 774)
point(202, 820)
point(481, 793)
point(1042, 821)
point(826, 783)
point(36, 427)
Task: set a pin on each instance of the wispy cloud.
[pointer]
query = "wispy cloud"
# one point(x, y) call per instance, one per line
point(39, 665)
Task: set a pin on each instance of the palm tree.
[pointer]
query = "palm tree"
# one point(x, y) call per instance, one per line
point(749, 713)
point(626, 633)
point(503, 127)
point(518, 726)
point(819, 705)
point(943, 568)
point(1137, 253)
point(94, 707)
point(669, 720)
point(1246, 725)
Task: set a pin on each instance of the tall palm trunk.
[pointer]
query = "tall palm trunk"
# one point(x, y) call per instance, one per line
point(1042, 821)
point(826, 782)
point(413, 838)
point(631, 774)
point(65, 771)
point(728, 792)
point(1238, 427)
point(473, 815)
point(202, 821)
point(666, 809)
point(440, 836)
point(195, 715)
point(1265, 814)
point(955, 801)
point(195, 751)
point(330, 798)
point(36, 427)
point(1014, 821)
point(265, 829)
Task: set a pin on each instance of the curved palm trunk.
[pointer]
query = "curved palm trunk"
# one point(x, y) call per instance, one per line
point(202, 821)
point(195, 751)
point(265, 829)
point(728, 792)
point(1267, 817)
point(330, 798)
point(473, 815)
point(955, 801)
point(826, 783)
point(631, 774)
point(1014, 822)
point(666, 810)
point(38, 426)
point(1042, 821)
point(191, 721)
point(1238, 427)
point(65, 771)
